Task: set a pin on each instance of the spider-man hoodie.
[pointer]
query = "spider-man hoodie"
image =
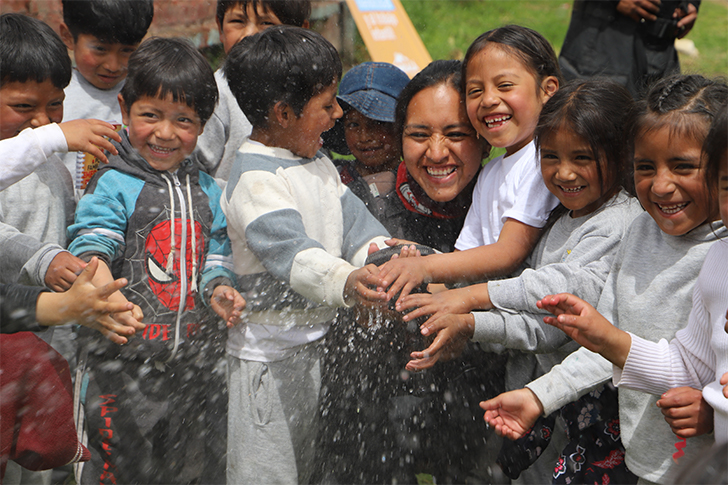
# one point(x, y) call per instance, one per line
point(165, 233)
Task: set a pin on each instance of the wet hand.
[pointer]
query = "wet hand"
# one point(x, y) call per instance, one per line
point(228, 304)
point(361, 286)
point(401, 276)
point(456, 301)
point(453, 333)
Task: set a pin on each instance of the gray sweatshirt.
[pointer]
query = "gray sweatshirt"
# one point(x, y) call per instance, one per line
point(648, 293)
point(224, 133)
point(573, 256)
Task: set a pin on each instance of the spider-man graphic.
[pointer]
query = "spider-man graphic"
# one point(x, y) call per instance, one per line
point(167, 285)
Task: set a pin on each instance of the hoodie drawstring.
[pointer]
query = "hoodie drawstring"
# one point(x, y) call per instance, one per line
point(170, 256)
point(194, 242)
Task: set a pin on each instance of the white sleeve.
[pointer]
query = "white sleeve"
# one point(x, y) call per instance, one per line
point(23, 153)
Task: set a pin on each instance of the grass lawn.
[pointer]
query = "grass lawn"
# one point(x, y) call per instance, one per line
point(447, 27)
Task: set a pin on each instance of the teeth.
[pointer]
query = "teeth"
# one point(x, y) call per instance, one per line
point(672, 209)
point(440, 171)
point(159, 149)
point(492, 122)
point(569, 190)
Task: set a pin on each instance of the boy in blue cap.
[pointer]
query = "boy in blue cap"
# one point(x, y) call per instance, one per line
point(368, 95)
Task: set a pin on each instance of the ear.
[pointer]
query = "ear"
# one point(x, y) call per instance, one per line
point(219, 25)
point(305, 24)
point(549, 86)
point(124, 110)
point(282, 113)
point(67, 37)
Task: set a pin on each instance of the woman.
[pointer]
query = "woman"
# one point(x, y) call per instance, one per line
point(379, 422)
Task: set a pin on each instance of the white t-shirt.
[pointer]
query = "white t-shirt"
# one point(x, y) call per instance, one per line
point(507, 187)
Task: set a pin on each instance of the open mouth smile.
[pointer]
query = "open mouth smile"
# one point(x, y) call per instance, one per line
point(158, 150)
point(673, 208)
point(440, 172)
point(572, 190)
point(497, 121)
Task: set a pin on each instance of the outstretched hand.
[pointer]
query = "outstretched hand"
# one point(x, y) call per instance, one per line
point(228, 304)
point(402, 275)
point(687, 413)
point(512, 413)
point(361, 286)
point(580, 321)
point(453, 333)
point(455, 301)
point(90, 136)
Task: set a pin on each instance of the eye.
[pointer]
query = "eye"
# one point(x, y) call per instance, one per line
point(99, 48)
point(643, 166)
point(22, 106)
point(584, 158)
point(474, 92)
point(548, 156)
point(686, 166)
point(457, 135)
point(505, 85)
point(417, 135)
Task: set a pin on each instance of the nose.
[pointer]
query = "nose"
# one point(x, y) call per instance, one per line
point(164, 130)
point(489, 97)
point(437, 150)
point(565, 173)
point(338, 112)
point(662, 183)
point(40, 118)
point(251, 29)
point(112, 63)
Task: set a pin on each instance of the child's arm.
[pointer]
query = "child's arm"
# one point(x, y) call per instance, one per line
point(90, 305)
point(687, 413)
point(515, 243)
point(90, 136)
point(512, 413)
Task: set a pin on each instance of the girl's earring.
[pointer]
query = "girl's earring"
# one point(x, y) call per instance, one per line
point(477, 135)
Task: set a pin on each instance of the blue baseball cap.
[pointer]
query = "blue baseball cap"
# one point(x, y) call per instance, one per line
point(372, 89)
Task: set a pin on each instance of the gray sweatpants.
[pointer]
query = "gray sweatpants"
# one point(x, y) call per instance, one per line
point(273, 418)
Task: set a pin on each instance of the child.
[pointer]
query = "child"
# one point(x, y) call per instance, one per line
point(368, 94)
point(102, 35)
point(228, 127)
point(661, 255)
point(36, 201)
point(508, 74)
point(698, 355)
point(153, 217)
point(298, 236)
point(580, 137)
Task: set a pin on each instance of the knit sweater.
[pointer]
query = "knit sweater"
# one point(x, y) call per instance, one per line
point(648, 292)
point(698, 355)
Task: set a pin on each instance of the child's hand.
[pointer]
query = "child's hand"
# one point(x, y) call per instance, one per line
point(90, 136)
point(63, 270)
point(361, 286)
point(228, 304)
point(724, 382)
point(409, 251)
point(446, 302)
point(687, 413)
point(91, 306)
point(453, 333)
point(402, 275)
point(580, 321)
point(512, 413)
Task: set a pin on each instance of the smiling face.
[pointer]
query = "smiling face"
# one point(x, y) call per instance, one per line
point(103, 64)
point(29, 104)
point(439, 145)
point(303, 136)
point(504, 98)
point(163, 131)
point(670, 180)
point(569, 169)
point(239, 23)
point(372, 142)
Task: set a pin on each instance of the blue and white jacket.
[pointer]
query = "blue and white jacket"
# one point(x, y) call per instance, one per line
point(297, 233)
point(128, 217)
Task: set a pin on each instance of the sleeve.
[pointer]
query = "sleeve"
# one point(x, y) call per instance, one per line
point(520, 331)
point(17, 308)
point(23, 153)
point(218, 268)
point(102, 216)
point(581, 372)
point(360, 229)
point(276, 235)
point(471, 235)
point(688, 360)
point(25, 256)
point(583, 274)
point(211, 143)
point(534, 209)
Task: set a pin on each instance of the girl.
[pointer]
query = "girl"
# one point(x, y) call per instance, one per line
point(509, 73)
point(698, 355)
point(647, 291)
point(580, 136)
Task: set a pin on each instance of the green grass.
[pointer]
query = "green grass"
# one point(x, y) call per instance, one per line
point(447, 27)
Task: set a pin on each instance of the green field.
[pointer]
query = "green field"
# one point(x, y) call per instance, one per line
point(447, 27)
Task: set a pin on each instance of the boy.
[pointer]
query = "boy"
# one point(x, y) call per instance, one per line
point(298, 236)
point(228, 127)
point(368, 94)
point(102, 35)
point(151, 216)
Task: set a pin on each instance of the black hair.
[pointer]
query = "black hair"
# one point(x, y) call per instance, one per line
point(528, 45)
point(436, 73)
point(685, 103)
point(289, 12)
point(160, 67)
point(715, 147)
point(281, 64)
point(31, 51)
point(112, 21)
point(601, 112)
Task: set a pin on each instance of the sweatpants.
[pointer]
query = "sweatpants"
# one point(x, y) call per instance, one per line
point(273, 418)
